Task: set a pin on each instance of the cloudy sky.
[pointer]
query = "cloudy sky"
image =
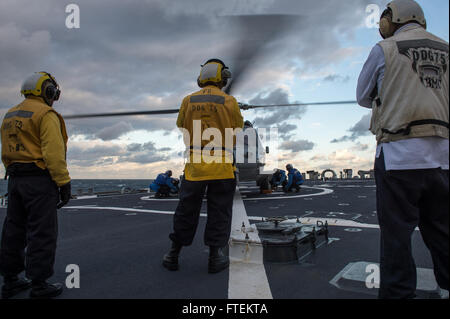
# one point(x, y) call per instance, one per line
point(143, 55)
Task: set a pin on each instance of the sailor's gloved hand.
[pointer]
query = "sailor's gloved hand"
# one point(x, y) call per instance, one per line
point(64, 195)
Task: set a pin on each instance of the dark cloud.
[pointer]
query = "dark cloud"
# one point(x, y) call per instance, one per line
point(277, 116)
point(78, 153)
point(277, 96)
point(361, 128)
point(286, 131)
point(93, 155)
point(134, 147)
point(114, 131)
point(145, 153)
point(318, 158)
point(336, 78)
point(144, 158)
point(360, 147)
point(297, 146)
point(87, 155)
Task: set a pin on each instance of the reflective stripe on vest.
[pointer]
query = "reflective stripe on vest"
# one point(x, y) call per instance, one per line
point(207, 99)
point(24, 114)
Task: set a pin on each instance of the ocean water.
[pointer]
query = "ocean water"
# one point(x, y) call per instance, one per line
point(96, 185)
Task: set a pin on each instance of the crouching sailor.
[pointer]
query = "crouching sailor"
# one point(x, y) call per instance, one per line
point(278, 178)
point(164, 185)
point(295, 179)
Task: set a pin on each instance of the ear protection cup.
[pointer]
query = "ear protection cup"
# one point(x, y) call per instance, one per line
point(51, 92)
point(199, 83)
point(50, 89)
point(387, 28)
point(48, 92)
point(226, 74)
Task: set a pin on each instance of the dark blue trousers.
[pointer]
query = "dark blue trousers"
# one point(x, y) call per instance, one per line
point(407, 199)
point(30, 229)
point(219, 195)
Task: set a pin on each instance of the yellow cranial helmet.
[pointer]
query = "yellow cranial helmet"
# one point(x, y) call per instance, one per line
point(215, 72)
point(34, 85)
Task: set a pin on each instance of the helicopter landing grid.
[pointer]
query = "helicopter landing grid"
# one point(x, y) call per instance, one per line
point(118, 243)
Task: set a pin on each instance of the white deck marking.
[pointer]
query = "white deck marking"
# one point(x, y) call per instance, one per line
point(125, 209)
point(324, 191)
point(85, 197)
point(247, 275)
point(337, 222)
point(152, 198)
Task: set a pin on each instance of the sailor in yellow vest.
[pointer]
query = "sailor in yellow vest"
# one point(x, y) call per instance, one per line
point(34, 144)
point(405, 82)
point(209, 108)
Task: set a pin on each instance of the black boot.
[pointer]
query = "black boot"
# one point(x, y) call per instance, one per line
point(170, 260)
point(217, 260)
point(13, 285)
point(44, 290)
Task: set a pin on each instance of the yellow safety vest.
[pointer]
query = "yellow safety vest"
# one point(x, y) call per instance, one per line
point(21, 132)
point(209, 108)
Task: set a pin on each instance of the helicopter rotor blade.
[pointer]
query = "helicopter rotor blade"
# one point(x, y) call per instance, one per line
point(155, 112)
point(248, 107)
point(242, 106)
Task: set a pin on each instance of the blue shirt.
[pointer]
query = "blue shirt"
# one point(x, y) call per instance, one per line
point(371, 75)
point(279, 178)
point(164, 179)
point(295, 177)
